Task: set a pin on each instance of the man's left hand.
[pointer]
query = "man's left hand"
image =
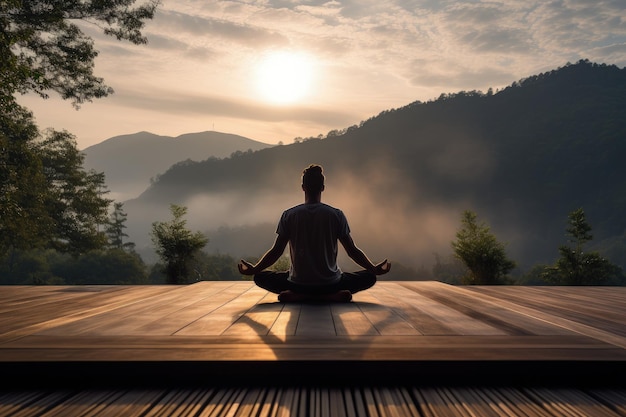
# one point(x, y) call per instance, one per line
point(382, 267)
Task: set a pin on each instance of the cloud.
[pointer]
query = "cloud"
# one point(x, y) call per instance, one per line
point(213, 28)
point(178, 102)
point(371, 55)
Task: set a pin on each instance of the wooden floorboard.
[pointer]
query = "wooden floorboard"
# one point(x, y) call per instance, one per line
point(319, 401)
point(235, 330)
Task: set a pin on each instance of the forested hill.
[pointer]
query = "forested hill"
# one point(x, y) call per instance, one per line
point(522, 158)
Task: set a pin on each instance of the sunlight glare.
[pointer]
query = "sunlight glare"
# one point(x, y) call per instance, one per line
point(284, 77)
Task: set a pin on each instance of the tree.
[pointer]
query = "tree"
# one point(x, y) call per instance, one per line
point(176, 245)
point(43, 48)
point(482, 254)
point(24, 217)
point(115, 229)
point(577, 267)
point(103, 267)
point(47, 199)
point(74, 197)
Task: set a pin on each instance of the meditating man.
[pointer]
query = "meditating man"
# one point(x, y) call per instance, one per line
point(312, 230)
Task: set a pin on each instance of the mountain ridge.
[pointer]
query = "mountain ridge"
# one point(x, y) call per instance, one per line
point(131, 161)
point(522, 158)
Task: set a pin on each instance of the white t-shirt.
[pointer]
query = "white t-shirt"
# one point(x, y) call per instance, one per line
point(313, 231)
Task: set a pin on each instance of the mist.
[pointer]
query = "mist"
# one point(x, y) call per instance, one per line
point(384, 218)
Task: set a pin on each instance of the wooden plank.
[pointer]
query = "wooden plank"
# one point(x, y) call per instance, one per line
point(453, 319)
point(286, 323)
point(321, 400)
point(350, 320)
point(433, 404)
point(12, 402)
point(258, 320)
point(553, 402)
point(412, 314)
point(370, 402)
point(218, 402)
point(483, 309)
point(83, 403)
point(22, 298)
point(150, 314)
point(385, 320)
point(602, 313)
point(269, 399)
point(288, 401)
point(552, 321)
point(315, 320)
point(613, 397)
point(356, 405)
point(413, 407)
point(516, 401)
point(127, 318)
point(213, 297)
point(224, 316)
point(52, 314)
point(314, 347)
point(44, 403)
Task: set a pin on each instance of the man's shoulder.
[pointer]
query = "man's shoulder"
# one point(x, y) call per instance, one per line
point(292, 209)
point(317, 207)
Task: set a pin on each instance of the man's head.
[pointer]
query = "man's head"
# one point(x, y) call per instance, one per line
point(313, 179)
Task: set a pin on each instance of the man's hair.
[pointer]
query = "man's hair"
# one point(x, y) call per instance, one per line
point(313, 178)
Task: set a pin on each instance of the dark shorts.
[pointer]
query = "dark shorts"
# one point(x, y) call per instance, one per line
point(277, 282)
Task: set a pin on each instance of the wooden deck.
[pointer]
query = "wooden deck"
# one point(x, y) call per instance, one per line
point(411, 345)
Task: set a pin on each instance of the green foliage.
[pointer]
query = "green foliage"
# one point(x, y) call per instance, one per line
point(74, 197)
point(19, 267)
point(533, 277)
point(24, 218)
point(176, 245)
point(115, 228)
point(47, 199)
point(111, 267)
point(50, 267)
point(43, 48)
point(577, 267)
point(204, 267)
point(481, 253)
point(450, 271)
point(215, 267)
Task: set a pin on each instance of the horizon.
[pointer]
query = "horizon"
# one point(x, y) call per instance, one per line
point(276, 71)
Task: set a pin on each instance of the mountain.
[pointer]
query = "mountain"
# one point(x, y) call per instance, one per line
point(130, 162)
point(521, 158)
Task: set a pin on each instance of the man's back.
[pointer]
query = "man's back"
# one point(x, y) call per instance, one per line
point(313, 230)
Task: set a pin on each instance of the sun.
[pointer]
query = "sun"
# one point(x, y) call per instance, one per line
point(284, 77)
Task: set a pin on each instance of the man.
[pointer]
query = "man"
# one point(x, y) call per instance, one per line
point(312, 230)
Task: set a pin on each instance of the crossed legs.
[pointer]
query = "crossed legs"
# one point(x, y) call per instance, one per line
point(350, 283)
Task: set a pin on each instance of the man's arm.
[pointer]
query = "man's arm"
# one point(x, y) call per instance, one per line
point(270, 257)
point(358, 256)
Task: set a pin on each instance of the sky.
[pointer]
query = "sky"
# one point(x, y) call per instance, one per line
point(275, 70)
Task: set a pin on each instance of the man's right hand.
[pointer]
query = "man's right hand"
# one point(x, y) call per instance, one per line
point(245, 267)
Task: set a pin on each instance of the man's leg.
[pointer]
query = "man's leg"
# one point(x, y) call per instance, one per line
point(272, 281)
point(357, 281)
